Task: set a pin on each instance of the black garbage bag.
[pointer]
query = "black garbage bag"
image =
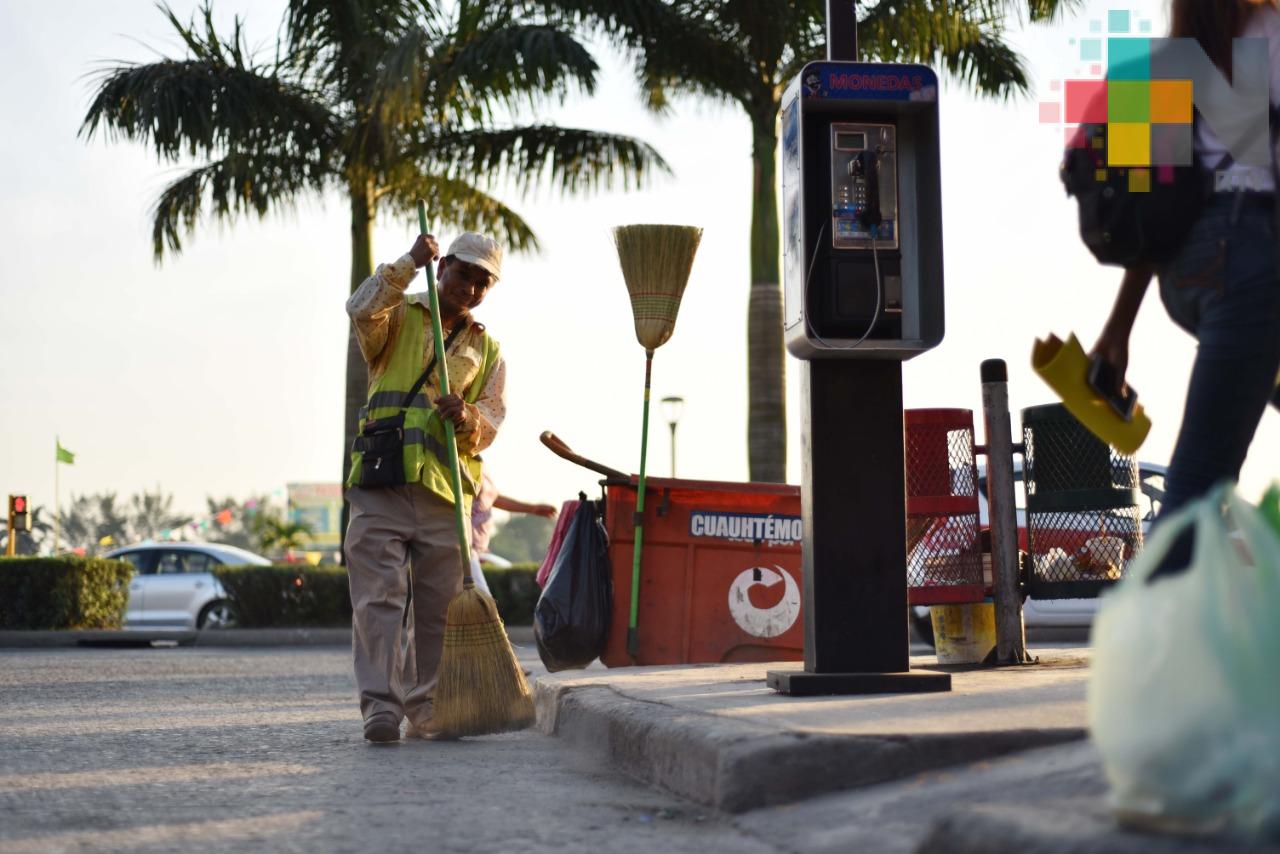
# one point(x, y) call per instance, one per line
point(571, 619)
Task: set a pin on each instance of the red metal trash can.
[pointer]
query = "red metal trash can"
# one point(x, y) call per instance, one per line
point(719, 576)
point(944, 550)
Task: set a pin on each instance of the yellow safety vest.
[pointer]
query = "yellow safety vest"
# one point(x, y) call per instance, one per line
point(425, 458)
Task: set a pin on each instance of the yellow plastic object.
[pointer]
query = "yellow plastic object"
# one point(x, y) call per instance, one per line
point(964, 634)
point(1065, 368)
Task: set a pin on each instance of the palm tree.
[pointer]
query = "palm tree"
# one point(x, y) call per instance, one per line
point(745, 52)
point(93, 520)
point(385, 101)
point(152, 514)
point(276, 532)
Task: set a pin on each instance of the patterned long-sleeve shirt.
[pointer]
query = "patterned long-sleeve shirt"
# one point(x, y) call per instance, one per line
point(378, 310)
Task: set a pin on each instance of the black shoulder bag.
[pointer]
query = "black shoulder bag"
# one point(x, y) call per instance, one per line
point(381, 441)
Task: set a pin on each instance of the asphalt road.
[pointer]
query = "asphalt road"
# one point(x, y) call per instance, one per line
point(231, 749)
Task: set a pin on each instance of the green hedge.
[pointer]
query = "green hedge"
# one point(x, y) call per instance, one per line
point(63, 593)
point(289, 595)
point(515, 591)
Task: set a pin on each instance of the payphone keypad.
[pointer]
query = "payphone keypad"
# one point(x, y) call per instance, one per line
point(864, 186)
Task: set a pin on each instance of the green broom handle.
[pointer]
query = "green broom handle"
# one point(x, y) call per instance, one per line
point(450, 440)
point(633, 634)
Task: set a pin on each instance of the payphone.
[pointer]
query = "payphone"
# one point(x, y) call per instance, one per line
point(862, 273)
point(862, 211)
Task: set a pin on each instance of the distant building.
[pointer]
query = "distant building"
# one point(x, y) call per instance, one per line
point(319, 506)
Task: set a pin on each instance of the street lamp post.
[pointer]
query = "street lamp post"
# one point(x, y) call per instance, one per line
point(671, 408)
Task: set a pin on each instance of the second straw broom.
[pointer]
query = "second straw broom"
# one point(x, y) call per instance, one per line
point(656, 260)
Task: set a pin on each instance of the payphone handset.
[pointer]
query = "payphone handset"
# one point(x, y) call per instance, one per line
point(864, 186)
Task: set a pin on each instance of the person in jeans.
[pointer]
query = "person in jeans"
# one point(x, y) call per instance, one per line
point(1222, 286)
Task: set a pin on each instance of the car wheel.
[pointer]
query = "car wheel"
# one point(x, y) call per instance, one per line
point(922, 623)
point(218, 615)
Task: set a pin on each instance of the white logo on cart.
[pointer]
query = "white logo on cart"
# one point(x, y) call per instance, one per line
point(764, 602)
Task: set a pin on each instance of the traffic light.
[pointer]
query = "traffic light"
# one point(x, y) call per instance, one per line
point(18, 513)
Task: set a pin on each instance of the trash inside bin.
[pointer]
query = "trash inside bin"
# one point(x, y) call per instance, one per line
point(1084, 520)
point(944, 548)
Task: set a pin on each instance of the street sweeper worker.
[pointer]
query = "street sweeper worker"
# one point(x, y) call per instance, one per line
point(401, 499)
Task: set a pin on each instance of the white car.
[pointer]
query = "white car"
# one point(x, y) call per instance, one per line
point(173, 586)
point(1045, 613)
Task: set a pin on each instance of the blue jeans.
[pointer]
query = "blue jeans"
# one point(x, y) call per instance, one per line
point(1223, 288)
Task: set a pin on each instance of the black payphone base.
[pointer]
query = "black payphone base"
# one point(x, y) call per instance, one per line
point(800, 683)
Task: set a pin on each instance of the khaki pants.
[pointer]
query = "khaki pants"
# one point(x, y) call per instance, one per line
point(400, 536)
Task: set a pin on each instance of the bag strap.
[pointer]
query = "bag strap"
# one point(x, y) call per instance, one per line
point(417, 386)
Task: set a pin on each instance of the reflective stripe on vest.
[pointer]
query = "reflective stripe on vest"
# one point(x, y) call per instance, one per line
point(393, 399)
point(417, 436)
point(425, 458)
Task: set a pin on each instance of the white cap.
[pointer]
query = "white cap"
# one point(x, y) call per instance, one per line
point(478, 249)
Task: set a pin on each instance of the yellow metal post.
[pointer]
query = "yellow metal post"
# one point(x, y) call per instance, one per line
point(10, 549)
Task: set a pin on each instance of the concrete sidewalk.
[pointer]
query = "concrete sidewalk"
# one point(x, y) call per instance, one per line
point(1001, 763)
point(717, 735)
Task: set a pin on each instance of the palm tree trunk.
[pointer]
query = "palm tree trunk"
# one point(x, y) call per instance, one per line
point(766, 360)
point(357, 383)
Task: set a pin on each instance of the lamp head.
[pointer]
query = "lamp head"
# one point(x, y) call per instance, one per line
point(672, 407)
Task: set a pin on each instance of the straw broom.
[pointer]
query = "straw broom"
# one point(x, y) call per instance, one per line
point(655, 260)
point(480, 686)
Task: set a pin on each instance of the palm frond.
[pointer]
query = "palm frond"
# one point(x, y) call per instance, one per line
point(1046, 11)
point(216, 98)
point(703, 64)
point(209, 46)
point(236, 185)
point(456, 203)
point(806, 38)
point(966, 37)
point(198, 107)
point(763, 27)
point(401, 78)
point(626, 22)
point(512, 64)
point(339, 41)
point(572, 159)
point(990, 66)
point(679, 47)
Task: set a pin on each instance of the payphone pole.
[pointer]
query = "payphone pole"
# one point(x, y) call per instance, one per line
point(842, 30)
point(853, 498)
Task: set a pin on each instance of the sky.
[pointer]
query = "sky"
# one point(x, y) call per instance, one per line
point(220, 372)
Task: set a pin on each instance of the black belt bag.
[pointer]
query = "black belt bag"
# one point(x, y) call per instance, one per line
point(381, 440)
point(381, 448)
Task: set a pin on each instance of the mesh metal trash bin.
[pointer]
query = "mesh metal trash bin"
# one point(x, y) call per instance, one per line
point(944, 551)
point(1084, 522)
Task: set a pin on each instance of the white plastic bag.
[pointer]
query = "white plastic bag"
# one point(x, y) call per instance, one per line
point(1184, 700)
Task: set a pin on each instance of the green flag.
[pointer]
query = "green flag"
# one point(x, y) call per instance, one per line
point(64, 456)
